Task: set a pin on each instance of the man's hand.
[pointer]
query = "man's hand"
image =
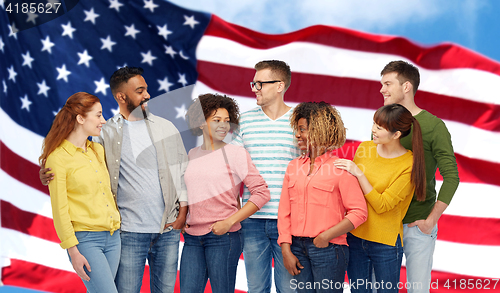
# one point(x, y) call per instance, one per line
point(424, 226)
point(290, 261)
point(79, 261)
point(45, 177)
point(180, 222)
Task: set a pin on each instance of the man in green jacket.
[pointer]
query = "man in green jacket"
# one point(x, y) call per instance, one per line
point(400, 82)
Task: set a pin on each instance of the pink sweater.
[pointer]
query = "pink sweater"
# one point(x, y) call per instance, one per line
point(212, 195)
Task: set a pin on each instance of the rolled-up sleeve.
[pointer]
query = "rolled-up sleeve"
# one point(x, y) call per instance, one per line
point(284, 211)
point(353, 200)
point(257, 186)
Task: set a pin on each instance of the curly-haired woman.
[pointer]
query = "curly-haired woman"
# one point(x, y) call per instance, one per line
point(212, 240)
point(319, 204)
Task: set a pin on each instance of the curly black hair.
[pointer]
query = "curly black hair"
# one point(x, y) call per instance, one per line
point(326, 128)
point(123, 75)
point(209, 103)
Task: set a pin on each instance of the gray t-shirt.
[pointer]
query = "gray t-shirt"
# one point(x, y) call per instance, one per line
point(139, 197)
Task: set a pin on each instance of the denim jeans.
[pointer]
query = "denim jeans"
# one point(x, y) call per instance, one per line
point(102, 251)
point(261, 246)
point(324, 268)
point(419, 250)
point(213, 257)
point(367, 257)
point(162, 253)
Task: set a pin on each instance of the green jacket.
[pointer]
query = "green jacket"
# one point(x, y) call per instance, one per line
point(438, 152)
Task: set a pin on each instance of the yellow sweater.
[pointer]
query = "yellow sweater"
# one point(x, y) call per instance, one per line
point(391, 195)
point(80, 193)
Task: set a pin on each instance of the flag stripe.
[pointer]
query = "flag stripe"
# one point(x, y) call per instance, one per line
point(332, 61)
point(443, 56)
point(40, 202)
point(49, 277)
point(28, 223)
point(352, 92)
point(19, 168)
point(337, 65)
point(482, 228)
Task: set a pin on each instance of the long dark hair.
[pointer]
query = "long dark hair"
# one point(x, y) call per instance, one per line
point(395, 117)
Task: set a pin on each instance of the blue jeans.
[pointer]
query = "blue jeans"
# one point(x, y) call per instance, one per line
point(418, 250)
point(102, 251)
point(324, 268)
point(261, 246)
point(213, 257)
point(367, 257)
point(162, 253)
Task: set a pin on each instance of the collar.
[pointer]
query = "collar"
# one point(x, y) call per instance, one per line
point(72, 149)
point(320, 159)
point(118, 118)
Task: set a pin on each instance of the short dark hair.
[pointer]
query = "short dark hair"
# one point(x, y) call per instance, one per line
point(122, 75)
point(278, 68)
point(406, 72)
point(208, 103)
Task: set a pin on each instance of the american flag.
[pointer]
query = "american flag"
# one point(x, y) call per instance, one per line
point(42, 66)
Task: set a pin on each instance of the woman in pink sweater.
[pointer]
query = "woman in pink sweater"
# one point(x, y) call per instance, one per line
point(212, 240)
point(319, 203)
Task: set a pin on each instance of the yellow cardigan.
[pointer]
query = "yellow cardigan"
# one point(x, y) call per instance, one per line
point(80, 193)
point(391, 195)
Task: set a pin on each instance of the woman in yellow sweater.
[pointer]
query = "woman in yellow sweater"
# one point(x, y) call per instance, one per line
point(84, 210)
point(388, 174)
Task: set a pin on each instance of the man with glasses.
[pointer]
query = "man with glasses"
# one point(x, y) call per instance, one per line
point(266, 134)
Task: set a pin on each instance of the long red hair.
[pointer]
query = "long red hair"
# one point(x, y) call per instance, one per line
point(77, 104)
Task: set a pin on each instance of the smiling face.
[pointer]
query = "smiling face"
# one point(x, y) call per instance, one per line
point(269, 93)
point(382, 135)
point(392, 89)
point(93, 121)
point(302, 134)
point(134, 91)
point(217, 125)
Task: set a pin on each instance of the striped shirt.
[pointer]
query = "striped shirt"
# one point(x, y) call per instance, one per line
point(272, 145)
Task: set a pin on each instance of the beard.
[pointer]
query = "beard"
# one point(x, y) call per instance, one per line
point(130, 104)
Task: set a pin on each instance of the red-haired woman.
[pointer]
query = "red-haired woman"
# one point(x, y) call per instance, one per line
point(84, 210)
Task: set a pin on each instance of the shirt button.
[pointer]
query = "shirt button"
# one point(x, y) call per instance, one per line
point(116, 160)
point(118, 142)
point(100, 181)
point(115, 178)
point(96, 171)
point(91, 161)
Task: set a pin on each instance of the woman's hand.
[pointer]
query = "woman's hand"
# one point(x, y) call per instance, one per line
point(79, 261)
point(290, 261)
point(320, 242)
point(348, 166)
point(221, 227)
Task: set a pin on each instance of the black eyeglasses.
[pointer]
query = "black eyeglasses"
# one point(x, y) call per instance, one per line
point(258, 84)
